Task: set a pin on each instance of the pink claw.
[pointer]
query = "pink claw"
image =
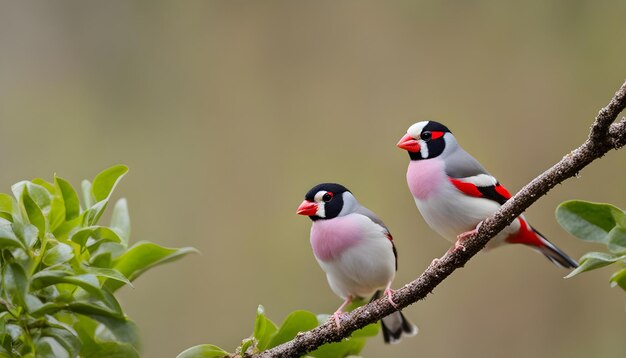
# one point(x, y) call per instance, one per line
point(337, 318)
point(388, 293)
point(458, 244)
point(339, 311)
point(464, 236)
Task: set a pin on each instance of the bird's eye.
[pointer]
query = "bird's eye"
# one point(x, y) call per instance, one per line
point(327, 197)
point(426, 136)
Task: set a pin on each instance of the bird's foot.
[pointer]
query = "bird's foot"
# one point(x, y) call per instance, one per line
point(464, 236)
point(339, 311)
point(388, 293)
point(458, 244)
point(337, 318)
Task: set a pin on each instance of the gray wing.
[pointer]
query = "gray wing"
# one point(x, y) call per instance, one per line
point(370, 214)
point(460, 164)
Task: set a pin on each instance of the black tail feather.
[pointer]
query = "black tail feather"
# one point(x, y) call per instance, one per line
point(395, 326)
point(555, 254)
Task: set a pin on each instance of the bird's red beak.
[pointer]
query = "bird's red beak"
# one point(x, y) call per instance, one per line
point(307, 208)
point(408, 143)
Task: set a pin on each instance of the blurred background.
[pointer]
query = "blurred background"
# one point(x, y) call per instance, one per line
point(227, 112)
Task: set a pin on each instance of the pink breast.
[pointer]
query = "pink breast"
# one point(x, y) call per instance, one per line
point(329, 238)
point(424, 177)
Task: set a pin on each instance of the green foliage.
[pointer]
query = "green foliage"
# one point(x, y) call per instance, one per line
point(60, 268)
point(598, 223)
point(267, 335)
point(204, 351)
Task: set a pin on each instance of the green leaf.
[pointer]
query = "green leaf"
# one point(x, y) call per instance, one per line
point(40, 195)
point(371, 330)
point(143, 256)
point(105, 181)
point(351, 346)
point(48, 186)
point(345, 348)
point(99, 192)
point(107, 273)
point(34, 213)
point(103, 259)
point(111, 303)
point(103, 255)
point(87, 282)
point(203, 351)
point(32, 302)
point(48, 308)
point(110, 350)
point(58, 254)
point(62, 231)
point(245, 344)
point(118, 330)
point(94, 332)
point(51, 321)
point(617, 240)
point(95, 232)
point(4, 353)
point(65, 208)
point(85, 327)
point(296, 321)
point(70, 198)
point(264, 329)
point(602, 257)
point(6, 203)
point(83, 307)
point(594, 260)
point(65, 337)
point(15, 283)
point(50, 202)
point(93, 214)
point(48, 347)
point(14, 331)
point(588, 221)
point(120, 220)
point(619, 279)
point(56, 215)
point(27, 233)
point(88, 199)
point(8, 237)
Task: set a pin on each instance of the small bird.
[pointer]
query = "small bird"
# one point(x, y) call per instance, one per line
point(454, 193)
point(355, 249)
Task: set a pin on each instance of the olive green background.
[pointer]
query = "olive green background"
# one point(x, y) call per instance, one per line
point(227, 112)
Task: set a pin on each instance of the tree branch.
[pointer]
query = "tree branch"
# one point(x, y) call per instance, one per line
point(603, 136)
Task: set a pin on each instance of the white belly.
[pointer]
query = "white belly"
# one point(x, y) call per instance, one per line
point(450, 213)
point(361, 269)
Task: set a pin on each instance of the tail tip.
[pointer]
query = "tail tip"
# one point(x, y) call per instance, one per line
point(393, 335)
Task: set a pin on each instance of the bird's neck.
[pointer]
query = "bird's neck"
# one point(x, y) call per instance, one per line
point(425, 177)
point(329, 238)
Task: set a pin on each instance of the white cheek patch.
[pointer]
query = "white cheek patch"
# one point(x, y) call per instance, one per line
point(423, 148)
point(321, 211)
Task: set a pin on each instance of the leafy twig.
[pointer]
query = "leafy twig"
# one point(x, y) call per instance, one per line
point(604, 136)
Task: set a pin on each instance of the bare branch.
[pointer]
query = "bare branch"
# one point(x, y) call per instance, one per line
point(607, 115)
point(617, 133)
point(603, 136)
